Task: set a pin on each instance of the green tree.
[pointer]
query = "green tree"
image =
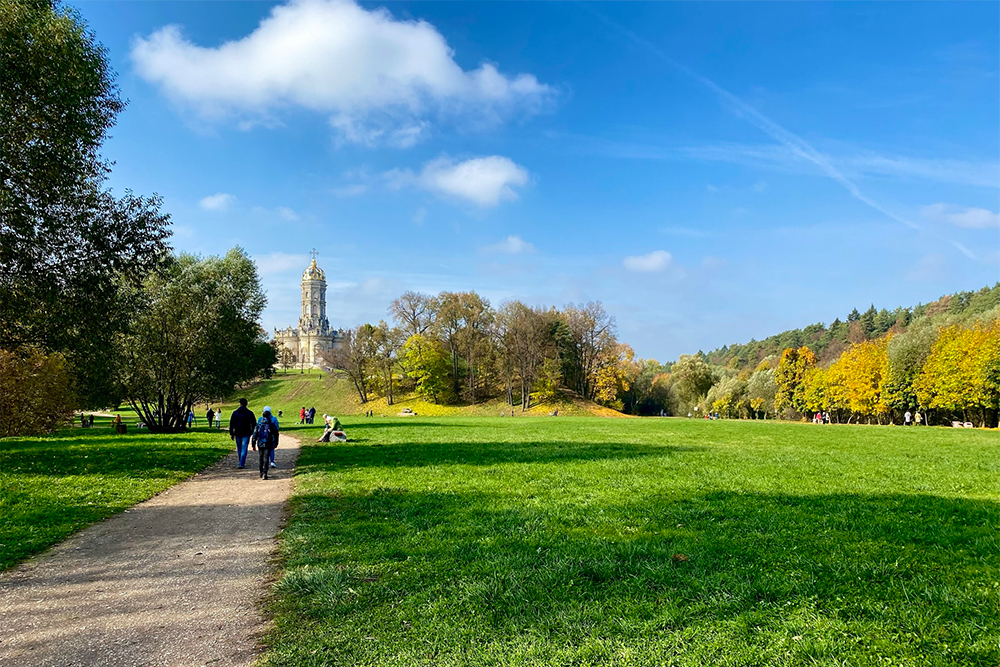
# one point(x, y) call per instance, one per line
point(692, 378)
point(65, 242)
point(427, 361)
point(761, 391)
point(195, 336)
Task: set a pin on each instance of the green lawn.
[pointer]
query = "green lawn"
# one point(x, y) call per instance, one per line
point(52, 486)
point(641, 542)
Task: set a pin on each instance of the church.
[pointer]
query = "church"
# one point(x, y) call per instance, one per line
point(313, 336)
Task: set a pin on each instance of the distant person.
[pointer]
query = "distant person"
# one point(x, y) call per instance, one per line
point(242, 424)
point(210, 415)
point(265, 440)
point(218, 418)
point(190, 418)
point(311, 416)
point(906, 418)
point(280, 412)
point(917, 418)
point(302, 415)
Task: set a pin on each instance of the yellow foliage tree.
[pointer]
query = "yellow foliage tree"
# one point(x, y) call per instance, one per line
point(962, 372)
point(863, 370)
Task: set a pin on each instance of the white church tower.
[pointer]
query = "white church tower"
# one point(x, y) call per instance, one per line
point(304, 347)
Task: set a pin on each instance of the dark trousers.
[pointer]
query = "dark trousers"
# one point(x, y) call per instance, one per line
point(264, 460)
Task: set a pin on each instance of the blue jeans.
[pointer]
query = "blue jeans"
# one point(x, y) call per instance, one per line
point(242, 444)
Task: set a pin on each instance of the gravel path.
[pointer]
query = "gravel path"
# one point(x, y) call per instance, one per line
point(176, 580)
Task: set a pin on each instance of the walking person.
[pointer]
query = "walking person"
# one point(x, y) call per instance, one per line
point(190, 419)
point(218, 418)
point(906, 418)
point(242, 424)
point(312, 415)
point(302, 415)
point(265, 440)
point(210, 415)
point(917, 418)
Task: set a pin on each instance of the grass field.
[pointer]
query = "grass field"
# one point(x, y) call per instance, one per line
point(52, 486)
point(641, 542)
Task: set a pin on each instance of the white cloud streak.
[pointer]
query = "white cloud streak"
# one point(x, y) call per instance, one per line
point(220, 201)
point(791, 141)
point(652, 262)
point(379, 79)
point(968, 218)
point(512, 245)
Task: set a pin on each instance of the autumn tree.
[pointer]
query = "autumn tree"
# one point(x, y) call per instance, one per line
point(357, 357)
point(962, 372)
point(790, 376)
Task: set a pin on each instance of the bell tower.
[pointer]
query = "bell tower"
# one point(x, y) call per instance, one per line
point(313, 318)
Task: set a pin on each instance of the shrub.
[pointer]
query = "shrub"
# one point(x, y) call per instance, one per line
point(36, 393)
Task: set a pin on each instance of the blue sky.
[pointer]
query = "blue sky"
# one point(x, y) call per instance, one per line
point(712, 172)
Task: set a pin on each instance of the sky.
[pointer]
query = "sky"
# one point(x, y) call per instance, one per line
point(711, 172)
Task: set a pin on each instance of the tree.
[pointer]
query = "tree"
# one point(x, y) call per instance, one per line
point(789, 378)
point(286, 358)
point(65, 242)
point(357, 357)
point(907, 353)
point(962, 372)
point(195, 335)
point(387, 341)
point(591, 334)
point(863, 370)
point(692, 378)
point(761, 390)
point(34, 392)
point(527, 342)
point(414, 312)
point(426, 361)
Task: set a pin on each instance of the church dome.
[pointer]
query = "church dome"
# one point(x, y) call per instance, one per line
point(313, 272)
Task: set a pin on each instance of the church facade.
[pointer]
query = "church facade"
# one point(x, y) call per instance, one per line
point(313, 337)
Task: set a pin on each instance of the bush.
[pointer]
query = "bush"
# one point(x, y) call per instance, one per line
point(36, 393)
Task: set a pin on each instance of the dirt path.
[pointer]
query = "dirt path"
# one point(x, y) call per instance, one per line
point(176, 580)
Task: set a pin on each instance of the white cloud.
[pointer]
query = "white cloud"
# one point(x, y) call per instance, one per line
point(970, 218)
point(351, 190)
point(484, 181)
point(220, 201)
point(279, 262)
point(287, 214)
point(378, 78)
point(649, 263)
point(512, 245)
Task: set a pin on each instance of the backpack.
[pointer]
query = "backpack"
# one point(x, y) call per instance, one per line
point(265, 434)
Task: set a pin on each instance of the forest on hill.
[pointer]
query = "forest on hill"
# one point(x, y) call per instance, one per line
point(940, 361)
point(829, 342)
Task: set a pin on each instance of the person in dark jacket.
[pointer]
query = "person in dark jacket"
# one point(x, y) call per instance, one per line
point(241, 426)
point(312, 415)
point(265, 440)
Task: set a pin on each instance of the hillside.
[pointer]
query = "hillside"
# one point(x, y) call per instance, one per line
point(828, 342)
point(335, 395)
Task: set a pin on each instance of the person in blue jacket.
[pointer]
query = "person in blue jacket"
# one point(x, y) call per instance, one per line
point(265, 439)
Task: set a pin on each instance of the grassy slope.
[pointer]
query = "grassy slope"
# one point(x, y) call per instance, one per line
point(52, 486)
point(641, 542)
point(336, 395)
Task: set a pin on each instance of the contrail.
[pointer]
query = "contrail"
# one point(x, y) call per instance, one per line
point(793, 142)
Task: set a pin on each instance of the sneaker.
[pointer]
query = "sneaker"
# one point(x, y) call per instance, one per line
point(241, 467)
point(273, 464)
